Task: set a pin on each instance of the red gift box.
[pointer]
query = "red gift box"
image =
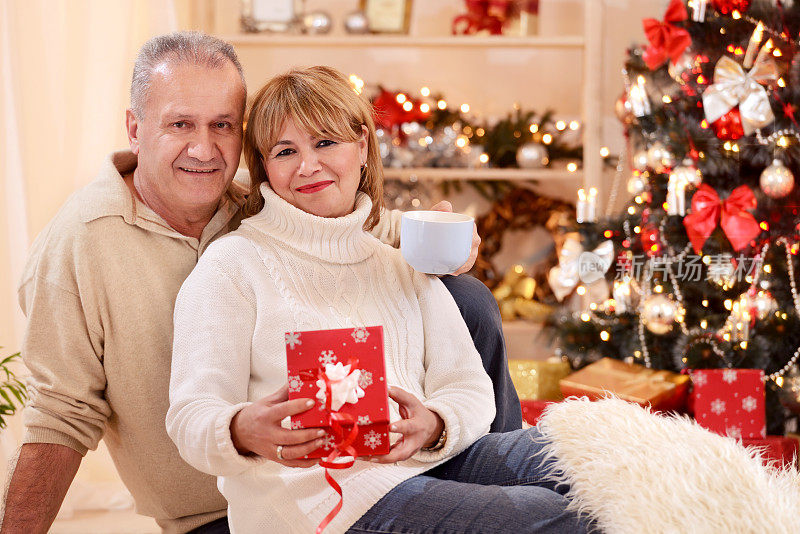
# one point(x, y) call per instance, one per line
point(310, 354)
point(532, 410)
point(730, 401)
point(777, 451)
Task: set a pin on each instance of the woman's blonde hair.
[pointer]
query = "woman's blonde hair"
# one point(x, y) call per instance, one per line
point(321, 101)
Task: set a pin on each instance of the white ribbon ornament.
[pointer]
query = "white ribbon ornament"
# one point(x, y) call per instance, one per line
point(344, 385)
point(576, 265)
point(733, 87)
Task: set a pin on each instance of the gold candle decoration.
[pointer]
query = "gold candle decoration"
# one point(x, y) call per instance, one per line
point(765, 51)
point(698, 10)
point(752, 46)
point(586, 208)
point(676, 194)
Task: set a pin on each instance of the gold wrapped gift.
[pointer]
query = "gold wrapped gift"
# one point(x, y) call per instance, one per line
point(662, 390)
point(538, 380)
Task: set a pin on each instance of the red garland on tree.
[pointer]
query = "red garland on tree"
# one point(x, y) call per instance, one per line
point(726, 7)
point(729, 126)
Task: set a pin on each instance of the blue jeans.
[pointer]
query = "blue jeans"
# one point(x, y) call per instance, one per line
point(496, 485)
point(479, 310)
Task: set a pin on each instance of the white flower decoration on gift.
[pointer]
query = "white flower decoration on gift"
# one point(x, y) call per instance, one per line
point(327, 357)
point(295, 384)
point(364, 420)
point(718, 406)
point(329, 442)
point(360, 335)
point(297, 425)
point(344, 385)
point(749, 403)
point(372, 439)
point(729, 375)
point(292, 339)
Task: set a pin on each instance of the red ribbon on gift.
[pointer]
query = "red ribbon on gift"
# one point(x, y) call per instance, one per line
point(342, 445)
point(736, 222)
point(667, 41)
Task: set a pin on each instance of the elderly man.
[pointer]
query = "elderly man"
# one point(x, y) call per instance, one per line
point(100, 284)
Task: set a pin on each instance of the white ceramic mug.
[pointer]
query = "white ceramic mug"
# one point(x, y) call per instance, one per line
point(436, 242)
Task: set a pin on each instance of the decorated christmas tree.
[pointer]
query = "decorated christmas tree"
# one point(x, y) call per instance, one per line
point(699, 268)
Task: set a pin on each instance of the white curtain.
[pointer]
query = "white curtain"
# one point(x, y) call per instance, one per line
point(65, 68)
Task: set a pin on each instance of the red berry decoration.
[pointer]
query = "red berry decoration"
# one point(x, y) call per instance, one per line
point(726, 7)
point(729, 126)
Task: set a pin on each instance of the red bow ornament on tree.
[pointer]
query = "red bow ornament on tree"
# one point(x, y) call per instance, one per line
point(667, 41)
point(739, 226)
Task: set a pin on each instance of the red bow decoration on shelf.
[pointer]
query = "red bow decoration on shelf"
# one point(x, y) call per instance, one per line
point(342, 445)
point(482, 15)
point(739, 226)
point(667, 41)
point(389, 113)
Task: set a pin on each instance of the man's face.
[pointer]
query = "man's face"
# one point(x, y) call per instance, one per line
point(190, 137)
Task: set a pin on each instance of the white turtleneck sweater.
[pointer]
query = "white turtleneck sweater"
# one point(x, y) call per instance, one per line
point(287, 270)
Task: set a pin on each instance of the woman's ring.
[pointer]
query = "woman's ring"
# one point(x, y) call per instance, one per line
point(280, 452)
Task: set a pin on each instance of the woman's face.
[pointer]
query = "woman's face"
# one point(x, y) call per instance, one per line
point(317, 175)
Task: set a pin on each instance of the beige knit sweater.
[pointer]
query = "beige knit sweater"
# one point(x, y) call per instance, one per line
point(99, 289)
point(287, 270)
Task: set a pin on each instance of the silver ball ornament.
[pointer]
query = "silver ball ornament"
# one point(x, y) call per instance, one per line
point(659, 158)
point(356, 22)
point(637, 184)
point(316, 22)
point(777, 180)
point(659, 313)
point(532, 156)
point(640, 160)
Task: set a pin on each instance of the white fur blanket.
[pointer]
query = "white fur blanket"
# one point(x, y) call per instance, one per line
point(637, 472)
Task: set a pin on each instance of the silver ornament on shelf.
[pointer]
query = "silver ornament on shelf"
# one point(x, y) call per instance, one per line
point(637, 184)
point(316, 22)
point(356, 22)
point(660, 313)
point(532, 156)
point(777, 180)
point(639, 160)
point(659, 158)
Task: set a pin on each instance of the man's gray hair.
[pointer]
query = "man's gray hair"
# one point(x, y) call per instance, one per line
point(191, 47)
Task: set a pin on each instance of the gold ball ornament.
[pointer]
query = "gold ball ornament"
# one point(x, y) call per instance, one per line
point(659, 158)
point(687, 172)
point(623, 110)
point(777, 180)
point(660, 313)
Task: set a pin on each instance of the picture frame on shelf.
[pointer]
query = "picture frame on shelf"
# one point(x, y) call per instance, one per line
point(275, 16)
point(387, 16)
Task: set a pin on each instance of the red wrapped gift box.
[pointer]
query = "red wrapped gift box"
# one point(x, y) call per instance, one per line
point(778, 451)
point(730, 401)
point(308, 355)
point(532, 410)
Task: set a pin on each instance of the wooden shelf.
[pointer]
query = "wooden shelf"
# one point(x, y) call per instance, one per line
point(404, 41)
point(438, 173)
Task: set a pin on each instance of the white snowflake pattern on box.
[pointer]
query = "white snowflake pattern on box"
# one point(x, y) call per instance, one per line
point(699, 379)
point(365, 380)
point(372, 439)
point(329, 442)
point(718, 406)
point(296, 425)
point(360, 335)
point(730, 375)
point(327, 357)
point(749, 403)
point(292, 339)
point(364, 420)
point(734, 432)
point(295, 383)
